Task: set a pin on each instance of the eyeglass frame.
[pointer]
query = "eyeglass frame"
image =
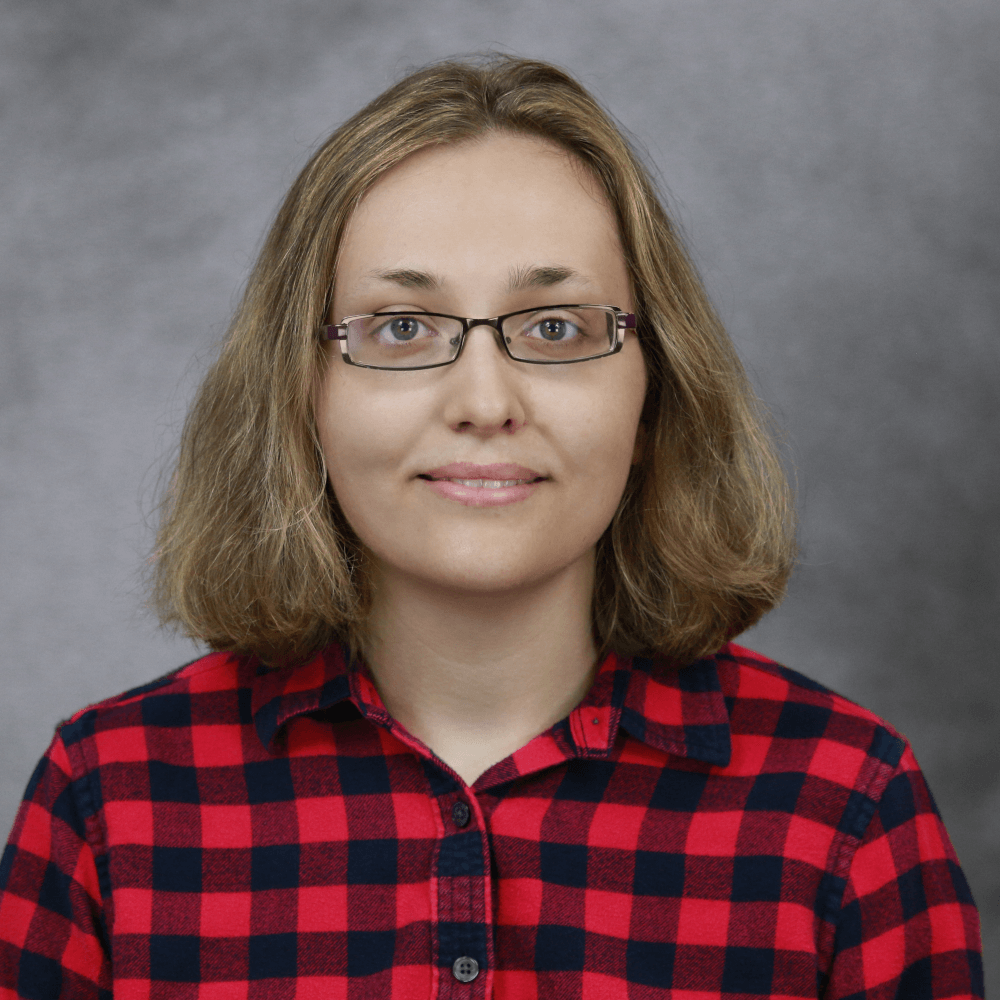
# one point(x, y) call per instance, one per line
point(623, 321)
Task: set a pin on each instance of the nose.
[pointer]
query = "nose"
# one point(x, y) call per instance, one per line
point(484, 390)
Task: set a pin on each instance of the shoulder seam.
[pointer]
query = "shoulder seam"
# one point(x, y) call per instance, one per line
point(877, 781)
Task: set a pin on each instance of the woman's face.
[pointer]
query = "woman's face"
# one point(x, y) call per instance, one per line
point(480, 229)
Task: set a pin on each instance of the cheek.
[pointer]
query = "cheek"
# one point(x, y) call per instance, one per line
point(599, 431)
point(610, 413)
point(359, 438)
point(605, 462)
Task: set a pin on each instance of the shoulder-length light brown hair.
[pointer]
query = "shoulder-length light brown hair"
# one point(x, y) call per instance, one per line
point(253, 553)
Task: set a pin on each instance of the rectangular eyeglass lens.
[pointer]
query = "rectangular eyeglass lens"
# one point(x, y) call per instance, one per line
point(563, 334)
point(403, 340)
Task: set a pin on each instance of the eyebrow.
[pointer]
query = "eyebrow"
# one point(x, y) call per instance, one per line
point(539, 277)
point(520, 278)
point(407, 278)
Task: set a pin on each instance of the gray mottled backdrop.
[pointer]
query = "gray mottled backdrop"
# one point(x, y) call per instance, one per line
point(835, 168)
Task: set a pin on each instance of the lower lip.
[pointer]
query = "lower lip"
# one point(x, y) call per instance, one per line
point(482, 496)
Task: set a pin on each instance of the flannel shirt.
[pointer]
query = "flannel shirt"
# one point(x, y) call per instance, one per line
point(729, 828)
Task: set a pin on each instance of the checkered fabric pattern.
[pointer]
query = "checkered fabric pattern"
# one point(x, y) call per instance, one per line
point(729, 828)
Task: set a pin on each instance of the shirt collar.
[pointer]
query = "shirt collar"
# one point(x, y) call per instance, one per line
point(679, 710)
point(277, 696)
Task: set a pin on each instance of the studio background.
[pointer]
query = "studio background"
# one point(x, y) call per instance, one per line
point(834, 166)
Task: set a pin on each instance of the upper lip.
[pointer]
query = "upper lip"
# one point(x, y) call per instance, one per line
point(495, 471)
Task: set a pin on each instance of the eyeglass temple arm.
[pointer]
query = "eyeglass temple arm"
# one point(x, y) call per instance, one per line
point(329, 332)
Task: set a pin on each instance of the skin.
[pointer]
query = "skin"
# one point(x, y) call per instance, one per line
point(481, 628)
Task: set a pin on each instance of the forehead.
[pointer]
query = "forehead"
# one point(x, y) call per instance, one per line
point(483, 206)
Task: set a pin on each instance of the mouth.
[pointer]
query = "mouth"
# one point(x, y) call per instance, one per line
point(499, 475)
point(482, 484)
point(493, 485)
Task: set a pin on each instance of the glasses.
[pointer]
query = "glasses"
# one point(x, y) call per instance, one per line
point(549, 335)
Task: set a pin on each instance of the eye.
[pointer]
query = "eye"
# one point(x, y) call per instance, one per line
point(553, 329)
point(401, 330)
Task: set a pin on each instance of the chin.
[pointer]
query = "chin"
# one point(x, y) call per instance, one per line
point(493, 568)
point(478, 578)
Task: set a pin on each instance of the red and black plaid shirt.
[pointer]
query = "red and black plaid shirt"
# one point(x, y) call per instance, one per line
point(228, 833)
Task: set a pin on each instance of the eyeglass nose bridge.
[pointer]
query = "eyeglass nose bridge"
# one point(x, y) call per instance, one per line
point(493, 322)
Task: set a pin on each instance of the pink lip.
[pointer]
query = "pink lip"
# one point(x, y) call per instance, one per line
point(481, 496)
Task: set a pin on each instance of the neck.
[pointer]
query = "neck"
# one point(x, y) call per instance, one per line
point(476, 675)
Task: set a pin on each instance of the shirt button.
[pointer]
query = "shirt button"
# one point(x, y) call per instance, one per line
point(460, 816)
point(465, 969)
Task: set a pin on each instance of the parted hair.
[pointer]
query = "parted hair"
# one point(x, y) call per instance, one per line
point(253, 553)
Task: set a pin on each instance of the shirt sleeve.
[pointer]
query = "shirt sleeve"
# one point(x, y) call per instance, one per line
point(908, 928)
point(53, 940)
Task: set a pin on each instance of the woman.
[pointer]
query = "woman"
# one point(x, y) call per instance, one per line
point(468, 509)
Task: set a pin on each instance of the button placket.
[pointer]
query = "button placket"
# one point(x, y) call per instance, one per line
point(464, 908)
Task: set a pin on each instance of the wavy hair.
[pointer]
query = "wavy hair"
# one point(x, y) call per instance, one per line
point(253, 553)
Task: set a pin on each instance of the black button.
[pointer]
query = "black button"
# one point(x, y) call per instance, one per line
point(460, 813)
